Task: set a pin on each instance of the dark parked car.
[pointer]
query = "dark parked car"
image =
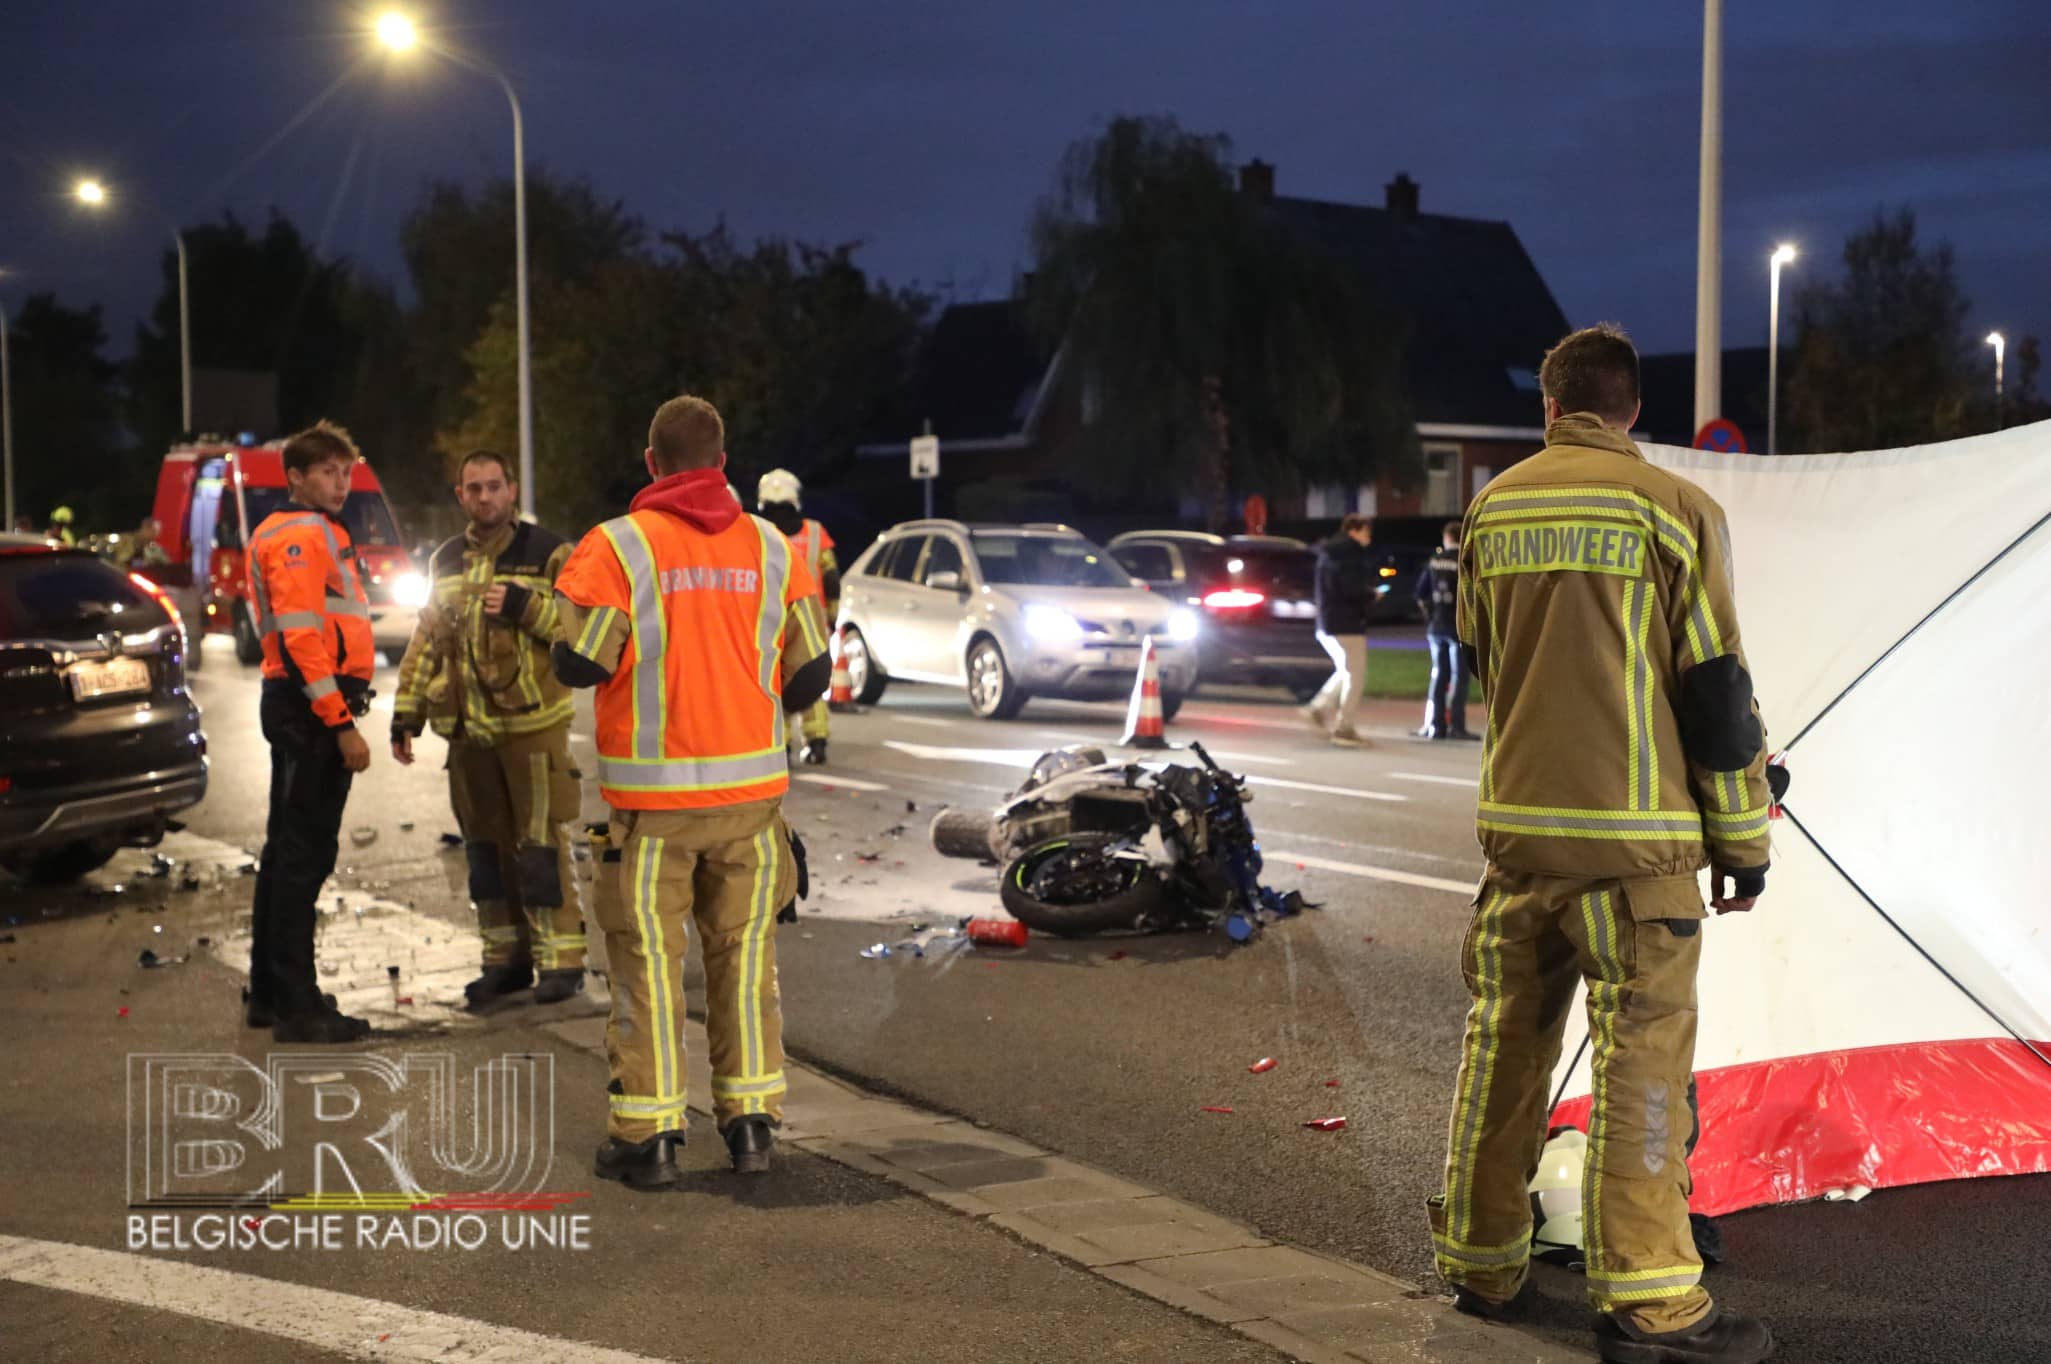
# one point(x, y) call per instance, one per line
point(1256, 595)
point(100, 742)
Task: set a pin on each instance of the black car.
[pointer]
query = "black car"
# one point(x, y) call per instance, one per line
point(1257, 595)
point(100, 742)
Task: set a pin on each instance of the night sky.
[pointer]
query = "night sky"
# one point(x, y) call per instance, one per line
point(926, 129)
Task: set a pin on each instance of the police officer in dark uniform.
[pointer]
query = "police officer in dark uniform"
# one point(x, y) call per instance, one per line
point(1438, 597)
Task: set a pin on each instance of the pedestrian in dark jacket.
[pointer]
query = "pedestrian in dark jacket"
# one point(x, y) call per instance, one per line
point(1345, 589)
point(1438, 598)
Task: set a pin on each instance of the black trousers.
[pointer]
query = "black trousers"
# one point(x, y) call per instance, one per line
point(1445, 705)
point(309, 787)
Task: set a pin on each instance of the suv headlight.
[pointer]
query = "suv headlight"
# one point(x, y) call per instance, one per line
point(1182, 625)
point(409, 589)
point(1052, 625)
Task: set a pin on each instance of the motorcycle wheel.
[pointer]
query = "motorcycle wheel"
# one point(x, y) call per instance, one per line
point(1076, 884)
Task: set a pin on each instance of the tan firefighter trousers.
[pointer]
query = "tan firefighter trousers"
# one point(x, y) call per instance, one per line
point(517, 805)
point(1637, 944)
point(659, 871)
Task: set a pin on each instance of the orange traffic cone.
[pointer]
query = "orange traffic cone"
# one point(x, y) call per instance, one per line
point(1143, 727)
point(841, 698)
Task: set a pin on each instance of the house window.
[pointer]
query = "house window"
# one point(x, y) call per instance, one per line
point(1442, 480)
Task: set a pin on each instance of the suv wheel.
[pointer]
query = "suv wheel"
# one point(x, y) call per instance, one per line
point(248, 644)
point(863, 675)
point(994, 693)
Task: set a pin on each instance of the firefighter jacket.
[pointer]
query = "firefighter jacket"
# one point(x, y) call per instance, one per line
point(1623, 740)
point(692, 619)
point(815, 547)
point(311, 612)
point(481, 676)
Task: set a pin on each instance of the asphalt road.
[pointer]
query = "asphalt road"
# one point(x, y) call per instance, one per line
point(1108, 1050)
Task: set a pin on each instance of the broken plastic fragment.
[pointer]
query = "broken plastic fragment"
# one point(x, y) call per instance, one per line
point(1262, 1066)
point(1326, 1124)
point(405, 826)
point(1216, 1108)
point(121, 1012)
point(452, 840)
point(876, 950)
point(147, 959)
point(391, 973)
point(911, 807)
point(1331, 1084)
point(403, 999)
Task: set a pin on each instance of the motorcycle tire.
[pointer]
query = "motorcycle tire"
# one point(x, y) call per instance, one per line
point(964, 833)
point(1110, 893)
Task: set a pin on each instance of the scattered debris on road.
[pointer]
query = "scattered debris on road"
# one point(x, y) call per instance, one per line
point(363, 836)
point(875, 951)
point(1216, 1108)
point(1262, 1066)
point(1326, 1124)
point(452, 840)
point(405, 826)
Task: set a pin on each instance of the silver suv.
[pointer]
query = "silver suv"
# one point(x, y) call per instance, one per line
point(1008, 612)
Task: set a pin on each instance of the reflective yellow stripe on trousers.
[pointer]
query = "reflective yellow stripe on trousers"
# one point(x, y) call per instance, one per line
point(1483, 1043)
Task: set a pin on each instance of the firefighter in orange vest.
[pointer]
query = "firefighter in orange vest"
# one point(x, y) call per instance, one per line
point(317, 657)
point(777, 498)
point(700, 628)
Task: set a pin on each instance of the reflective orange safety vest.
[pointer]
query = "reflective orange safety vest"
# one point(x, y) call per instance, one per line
point(811, 542)
point(311, 611)
point(692, 718)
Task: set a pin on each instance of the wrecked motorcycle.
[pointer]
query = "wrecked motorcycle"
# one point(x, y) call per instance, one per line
point(1092, 846)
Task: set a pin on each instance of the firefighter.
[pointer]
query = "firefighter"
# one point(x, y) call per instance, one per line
point(317, 654)
point(477, 670)
point(700, 628)
point(777, 498)
point(60, 528)
point(1595, 592)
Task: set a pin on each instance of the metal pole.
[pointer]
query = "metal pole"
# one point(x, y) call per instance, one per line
point(1709, 231)
point(7, 418)
point(928, 482)
point(184, 341)
point(1773, 361)
point(520, 299)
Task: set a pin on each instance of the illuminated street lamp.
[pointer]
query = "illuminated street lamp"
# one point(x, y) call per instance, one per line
point(397, 33)
point(1781, 256)
point(93, 194)
point(2000, 344)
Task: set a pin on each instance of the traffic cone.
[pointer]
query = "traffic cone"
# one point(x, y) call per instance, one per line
point(1143, 727)
point(841, 698)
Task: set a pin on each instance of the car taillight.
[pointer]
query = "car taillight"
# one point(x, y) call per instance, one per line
point(163, 599)
point(1233, 599)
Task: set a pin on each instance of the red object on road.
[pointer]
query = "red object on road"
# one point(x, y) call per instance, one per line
point(996, 932)
point(1216, 1108)
point(1326, 1124)
point(1262, 1066)
point(1331, 1084)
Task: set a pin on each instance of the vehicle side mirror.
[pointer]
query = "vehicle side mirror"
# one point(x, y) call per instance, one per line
point(226, 536)
point(946, 581)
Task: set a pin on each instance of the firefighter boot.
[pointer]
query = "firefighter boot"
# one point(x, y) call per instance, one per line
point(650, 1164)
point(496, 981)
point(749, 1141)
point(814, 754)
point(1719, 1338)
point(557, 986)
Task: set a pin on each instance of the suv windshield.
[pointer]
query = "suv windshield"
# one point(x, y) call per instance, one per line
point(1046, 561)
point(69, 596)
point(365, 513)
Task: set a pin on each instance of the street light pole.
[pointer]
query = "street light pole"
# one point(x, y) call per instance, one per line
point(7, 417)
point(1709, 228)
point(184, 341)
point(2000, 344)
point(1780, 257)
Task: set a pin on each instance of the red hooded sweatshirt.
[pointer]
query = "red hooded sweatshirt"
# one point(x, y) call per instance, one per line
point(700, 496)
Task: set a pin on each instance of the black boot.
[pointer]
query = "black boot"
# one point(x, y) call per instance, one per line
point(814, 754)
point(749, 1141)
point(496, 981)
point(258, 1013)
point(1471, 1303)
point(325, 1025)
point(557, 986)
point(650, 1164)
point(1719, 1338)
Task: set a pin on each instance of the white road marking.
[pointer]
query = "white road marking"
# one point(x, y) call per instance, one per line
point(343, 1322)
point(930, 721)
point(1357, 794)
point(988, 757)
point(1401, 878)
point(1440, 781)
point(1222, 756)
point(818, 779)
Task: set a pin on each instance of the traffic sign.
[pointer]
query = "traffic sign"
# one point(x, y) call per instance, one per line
point(925, 456)
point(1721, 434)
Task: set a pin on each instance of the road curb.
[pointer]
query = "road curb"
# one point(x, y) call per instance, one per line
point(1310, 1306)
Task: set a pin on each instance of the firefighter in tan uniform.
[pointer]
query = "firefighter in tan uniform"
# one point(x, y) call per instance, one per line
point(1623, 754)
point(777, 498)
point(477, 670)
point(700, 628)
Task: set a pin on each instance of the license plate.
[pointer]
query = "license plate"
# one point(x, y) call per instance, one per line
point(115, 677)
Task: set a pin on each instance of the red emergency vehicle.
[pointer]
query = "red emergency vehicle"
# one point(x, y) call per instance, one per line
point(211, 495)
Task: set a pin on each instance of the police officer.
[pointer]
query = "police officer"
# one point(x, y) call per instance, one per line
point(700, 628)
point(477, 670)
point(1438, 593)
point(317, 654)
point(1595, 591)
point(777, 498)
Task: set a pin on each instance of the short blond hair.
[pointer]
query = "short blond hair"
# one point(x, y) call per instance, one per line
point(686, 434)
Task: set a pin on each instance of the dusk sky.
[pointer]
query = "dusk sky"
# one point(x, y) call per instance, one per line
point(927, 130)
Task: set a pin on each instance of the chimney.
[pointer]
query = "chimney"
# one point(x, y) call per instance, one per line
point(1257, 181)
point(1402, 198)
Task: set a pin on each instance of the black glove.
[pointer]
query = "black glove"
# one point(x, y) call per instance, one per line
point(1750, 883)
point(1777, 782)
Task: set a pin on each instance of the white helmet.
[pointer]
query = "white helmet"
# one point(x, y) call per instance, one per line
point(1557, 1232)
point(778, 485)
